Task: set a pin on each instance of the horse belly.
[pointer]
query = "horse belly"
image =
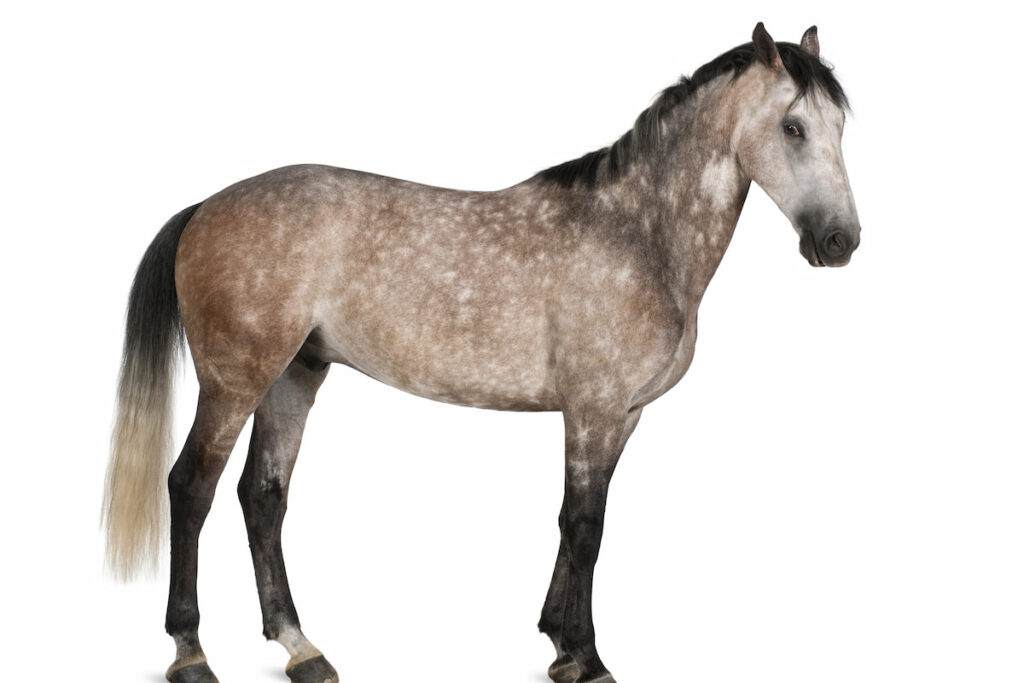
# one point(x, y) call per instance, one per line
point(424, 340)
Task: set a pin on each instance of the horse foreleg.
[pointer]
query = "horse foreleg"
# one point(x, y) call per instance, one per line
point(564, 668)
point(263, 492)
point(593, 442)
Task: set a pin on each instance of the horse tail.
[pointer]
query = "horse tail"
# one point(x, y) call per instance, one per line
point(135, 504)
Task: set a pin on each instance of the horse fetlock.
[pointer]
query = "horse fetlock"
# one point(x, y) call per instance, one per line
point(182, 624)
point(551, 625)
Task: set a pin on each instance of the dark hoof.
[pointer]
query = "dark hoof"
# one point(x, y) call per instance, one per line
point(603, 678)
point(193, 673)
point(564, 670)
point(315, 670)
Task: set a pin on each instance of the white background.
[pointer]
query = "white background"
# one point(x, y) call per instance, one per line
point(833, 493)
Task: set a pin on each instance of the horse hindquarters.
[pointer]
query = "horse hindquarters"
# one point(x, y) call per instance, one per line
point(242, 338)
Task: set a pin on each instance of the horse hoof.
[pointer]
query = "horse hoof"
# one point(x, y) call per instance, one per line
point(313, 670)
point(564, 670)
point(193, 673)
point(603, 678)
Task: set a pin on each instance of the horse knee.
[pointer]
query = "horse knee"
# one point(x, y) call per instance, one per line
point(585, 540)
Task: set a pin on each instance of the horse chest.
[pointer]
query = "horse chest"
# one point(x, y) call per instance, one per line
point(672, 367)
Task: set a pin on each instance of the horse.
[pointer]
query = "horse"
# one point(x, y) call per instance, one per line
point(575, 290)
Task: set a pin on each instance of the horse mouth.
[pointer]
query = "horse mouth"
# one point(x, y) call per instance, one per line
point(809, 248)
point(814, 258)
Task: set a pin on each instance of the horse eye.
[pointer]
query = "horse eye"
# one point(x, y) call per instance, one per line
point(792, 129)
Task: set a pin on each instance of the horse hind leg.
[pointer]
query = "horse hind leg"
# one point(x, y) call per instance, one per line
point(263, 492)
point(191, 484)
point(232, 384)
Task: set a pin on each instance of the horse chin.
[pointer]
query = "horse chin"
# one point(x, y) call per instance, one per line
point(817, 262)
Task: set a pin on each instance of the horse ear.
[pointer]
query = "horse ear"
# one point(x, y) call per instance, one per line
point(809, 42)
point(765, 48)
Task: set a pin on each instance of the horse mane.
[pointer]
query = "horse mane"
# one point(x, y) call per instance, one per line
point(806, 70)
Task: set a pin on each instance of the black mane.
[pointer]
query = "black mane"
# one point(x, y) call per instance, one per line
point(805, 69)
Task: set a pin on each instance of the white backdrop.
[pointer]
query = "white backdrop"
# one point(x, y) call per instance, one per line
point(833, 493)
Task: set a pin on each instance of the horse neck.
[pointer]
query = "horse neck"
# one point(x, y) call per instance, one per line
point(692, 190)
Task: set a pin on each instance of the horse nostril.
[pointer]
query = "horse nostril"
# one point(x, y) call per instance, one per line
point(835, 244)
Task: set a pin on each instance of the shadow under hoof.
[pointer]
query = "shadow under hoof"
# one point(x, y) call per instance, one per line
point(564, 670)
point(315, 670)
point(193, 673)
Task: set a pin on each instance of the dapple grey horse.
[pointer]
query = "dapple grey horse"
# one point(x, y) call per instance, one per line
point(575, 290)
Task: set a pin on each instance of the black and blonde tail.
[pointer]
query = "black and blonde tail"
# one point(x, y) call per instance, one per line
point(135, 506)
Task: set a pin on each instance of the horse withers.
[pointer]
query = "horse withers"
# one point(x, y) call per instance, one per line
point(575, 290)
